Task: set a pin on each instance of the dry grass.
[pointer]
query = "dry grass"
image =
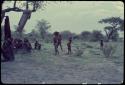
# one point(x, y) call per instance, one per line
point(109, 50)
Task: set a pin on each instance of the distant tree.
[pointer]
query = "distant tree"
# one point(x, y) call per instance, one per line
point(33, 35)
point(96, 35)
point(76, 37)
point(115, 36)
point(66, 34)
point(43, 27)
point(85, 35)
point(115, 24)
point(17, 34)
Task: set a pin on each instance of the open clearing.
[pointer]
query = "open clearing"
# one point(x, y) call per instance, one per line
point(44, 67)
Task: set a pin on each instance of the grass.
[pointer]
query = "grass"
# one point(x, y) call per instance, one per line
point(109, 50)
point(86, 61)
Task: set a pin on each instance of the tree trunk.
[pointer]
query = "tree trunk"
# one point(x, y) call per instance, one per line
point(110, 34)
point(3, 13)
point(26, 15)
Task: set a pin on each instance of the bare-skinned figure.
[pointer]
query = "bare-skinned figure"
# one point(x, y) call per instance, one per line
point(69, 45)
point(37, 45)
point(55, 42)
point(60, 41)
point(101, 44)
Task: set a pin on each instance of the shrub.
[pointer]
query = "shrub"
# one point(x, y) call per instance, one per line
point(88, 46)
point(109, 50)
point(79, 52)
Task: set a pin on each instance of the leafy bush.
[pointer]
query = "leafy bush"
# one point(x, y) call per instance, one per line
point(109, 50)
point(79, 52)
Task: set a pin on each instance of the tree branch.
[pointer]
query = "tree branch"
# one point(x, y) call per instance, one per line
point(14, 5)
point(27, 6)
point(106, 32)
point(16, 9)
point(13, 9)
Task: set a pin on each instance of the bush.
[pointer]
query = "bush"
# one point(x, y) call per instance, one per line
point(109, 50)
point(79, 52)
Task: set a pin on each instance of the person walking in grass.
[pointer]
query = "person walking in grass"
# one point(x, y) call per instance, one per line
point(101, 44)
point(55, 42)
point(69, 45)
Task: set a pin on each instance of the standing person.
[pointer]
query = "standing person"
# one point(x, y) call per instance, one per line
point(101, 44)
point(55, 42)
point(60, 41)
point(69, 45)
point(37, 45)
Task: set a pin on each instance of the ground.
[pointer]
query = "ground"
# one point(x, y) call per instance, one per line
point(90, 66)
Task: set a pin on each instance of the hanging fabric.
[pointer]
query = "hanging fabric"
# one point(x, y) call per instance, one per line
point(7, 31)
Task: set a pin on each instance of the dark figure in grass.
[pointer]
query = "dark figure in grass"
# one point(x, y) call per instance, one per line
point(55, 42)
point(101, 44)
point(7, 50)
point(37, 45)
point(69, 45)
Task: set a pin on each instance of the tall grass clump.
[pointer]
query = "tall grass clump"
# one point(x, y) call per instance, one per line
point(79, 52)
point(109, 50)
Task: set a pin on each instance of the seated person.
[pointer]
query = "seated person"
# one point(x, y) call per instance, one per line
point(37, 45)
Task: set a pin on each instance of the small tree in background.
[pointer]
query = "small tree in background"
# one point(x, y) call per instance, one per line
point(85, 35)
point(43, 27)
point(96, 35)
point(65, 34)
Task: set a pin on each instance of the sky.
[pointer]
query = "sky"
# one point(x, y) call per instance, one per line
point(75, 16)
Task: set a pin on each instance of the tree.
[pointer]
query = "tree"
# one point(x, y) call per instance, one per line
point(96, 35)
point(33, 35)
point(85, 35)
point(43, 27)
point(115, 24)
point(115, 36)
point(26, 12)
point(17, 34)
point(65, 34)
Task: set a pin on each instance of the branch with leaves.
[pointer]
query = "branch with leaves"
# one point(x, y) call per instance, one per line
point(116, 23)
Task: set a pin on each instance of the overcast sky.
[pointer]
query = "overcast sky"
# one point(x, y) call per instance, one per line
point(76, 16)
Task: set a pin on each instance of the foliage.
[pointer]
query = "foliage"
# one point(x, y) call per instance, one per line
point(96, 35)
point(43, 27)
point(85, 35)
point(115, 24)
point(65, 34)
point(79, 52)
point(109, 50)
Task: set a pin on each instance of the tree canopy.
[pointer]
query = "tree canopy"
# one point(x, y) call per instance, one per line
point(115, 24)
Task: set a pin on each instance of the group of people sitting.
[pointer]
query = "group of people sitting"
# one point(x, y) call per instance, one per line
point(22, 44)
point(10, 46)
point(57, 41)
